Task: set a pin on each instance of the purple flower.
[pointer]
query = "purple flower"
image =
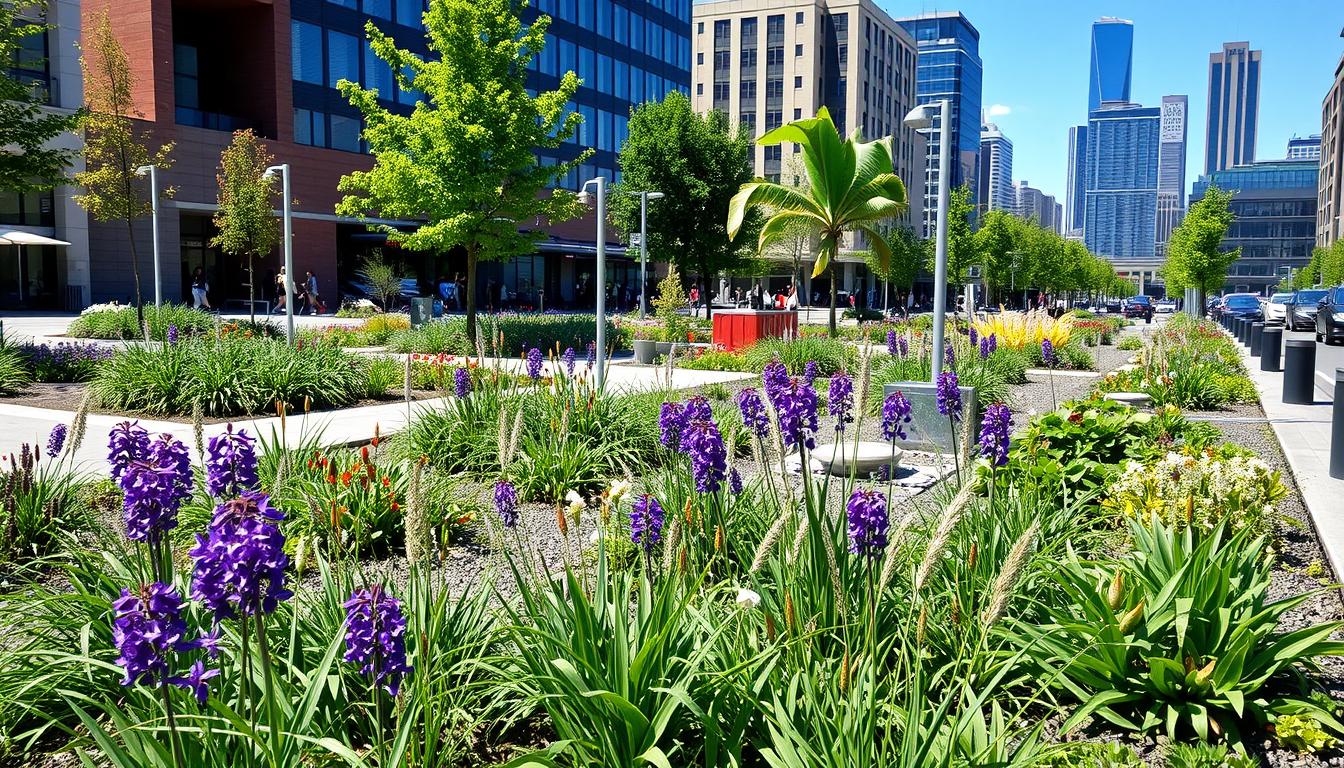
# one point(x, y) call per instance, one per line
point(949, 395)
point(949, 356)
point(56, 440)
point(974, 336)
point(774, 377)
point(195, 681)
point(840, 400)
point(895, 415)
point(375, 637)
point(893, 343)
point(671, 421)
point(592, 354)
point(241, 561)
point(151, 500)
point(506, 503)
point(148, 629)
point(231, 463)
point(987, 346)
point(1048, 355)
point(995, 431)
point(697, 408)
point(734, 481)
point(867, 512)
point(646, 522)
point(797, 407)
point(754, 417)
point(461, 382)
point(810, 372)
point(568, 359)
point(127, 442)
point(172, 335)
point(534, 363)
point(709, 456)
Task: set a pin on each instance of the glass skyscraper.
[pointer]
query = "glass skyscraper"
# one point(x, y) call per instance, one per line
point(1120, 216)
point(1075, 184)
point(1112, 61)
point(949, 68)
point(1234, 107)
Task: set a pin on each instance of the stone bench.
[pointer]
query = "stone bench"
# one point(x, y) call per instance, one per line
point(1135, 399)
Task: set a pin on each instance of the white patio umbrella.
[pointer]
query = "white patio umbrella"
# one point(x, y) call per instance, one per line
point(19, 238)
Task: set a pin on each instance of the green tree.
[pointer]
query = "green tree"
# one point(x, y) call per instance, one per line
point(907, 255)
point(796, 242)
point(1195, 258)
point(113, 148)
point(698, 162)
point(26, 127)
point(464, 161)
point(995, 243)
point(246, 220)
point(961, 246)
point(851, 190)
point(383, 278)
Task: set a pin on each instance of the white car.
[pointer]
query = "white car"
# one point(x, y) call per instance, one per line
point(1165, 306)
point(1276, 308)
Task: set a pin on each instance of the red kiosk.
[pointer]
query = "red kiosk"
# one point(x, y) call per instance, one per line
point(735, 329)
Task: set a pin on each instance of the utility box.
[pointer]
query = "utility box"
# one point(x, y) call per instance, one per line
point(422, 311)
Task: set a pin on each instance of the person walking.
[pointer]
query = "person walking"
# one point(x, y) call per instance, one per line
point(281, 291)
point(314, 298)
point(792, 301)
point(695, 302)
point(199, 289)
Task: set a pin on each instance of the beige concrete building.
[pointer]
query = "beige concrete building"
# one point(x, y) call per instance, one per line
point(769, 62)
point(1330, 204)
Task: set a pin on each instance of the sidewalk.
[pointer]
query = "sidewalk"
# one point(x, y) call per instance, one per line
point(1303, 432)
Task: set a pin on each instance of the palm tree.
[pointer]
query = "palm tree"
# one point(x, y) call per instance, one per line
point(851, 188)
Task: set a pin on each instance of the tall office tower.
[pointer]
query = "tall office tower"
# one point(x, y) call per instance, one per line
point(769, 62)
point(1049, 218)
point(206, 69)
point(1120, 221)
point(1075, 184)
point(949, 68)
point(1308, 148)
point(1234, 107)
point(1330, 200)
point(1171, 170)
point(1112, 61)
point(1029, 202)
point(995, 176)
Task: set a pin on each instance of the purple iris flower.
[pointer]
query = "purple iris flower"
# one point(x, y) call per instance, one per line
point(646, 522)
point(949, 395)
point(506, 503)
point(709, 456)
point(231, 463)
point(240, 560)
point(995, 434)
point(867, 513)
point(375, 637)
point(754, 417)
point(895, 415)
point(461, 382)
point(840, 400)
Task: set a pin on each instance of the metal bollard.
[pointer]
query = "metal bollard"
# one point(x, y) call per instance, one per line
point(1271, 342)
point(1257, 329)
point(1299, 370)
point(1243, 330)
point(1337, 429)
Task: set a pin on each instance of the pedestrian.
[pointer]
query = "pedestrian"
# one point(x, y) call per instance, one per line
point(314, 298)
point(281, 295)
point(199, 289)
point(447, 291)
point(695, 302)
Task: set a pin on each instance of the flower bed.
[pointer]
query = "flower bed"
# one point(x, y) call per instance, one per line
point(113, 321)
point(504, 334)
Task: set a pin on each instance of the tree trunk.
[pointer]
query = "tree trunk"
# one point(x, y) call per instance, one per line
point(831, 268)
point(251, 291)
point(135, 270)
point(471, 293)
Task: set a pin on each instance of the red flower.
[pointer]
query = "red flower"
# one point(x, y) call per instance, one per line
point(345, 477)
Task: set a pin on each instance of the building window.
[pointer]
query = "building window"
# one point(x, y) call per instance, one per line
point(186, 77)
point(378, 75)
point(342, 57)
point(699, 89)
point(798, 49)
point(380, 8)
point(345, 133)
point(28, 63)
point(700, 58)
point(699, 27)
point(33, 209)
point(797, 113)
point(410, 13)
point(310, 128)
point(798, 81)
point(307, 54)
point(345, 3)
point(798, 18)
point(748, 122)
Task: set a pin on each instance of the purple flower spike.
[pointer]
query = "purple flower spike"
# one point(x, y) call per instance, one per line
point(810, 372)
point(867, 513)
point(568, 359)
point(56, 440)
point(592, 354)
point(697, 409)
point(709, 456)
point(671, 422)
point(754, 417)
point(974, 336)
point(231, 464)
point(151, 500)
point(987, 346)
point(1048, 355)
point(895, 415)
point(127, 442)
point(893, 343)
point(172, 335)
point(461, 382)
point(949, 356)
point(797, 408)
point(774, 378)
point(949, 396)
point(734, 481)
point(148, 629)
point(840, 400)
point(375, 637)
point(241, 561)
point(995, 434)
point(506, 503)
point(534, 363)
point(646, 522)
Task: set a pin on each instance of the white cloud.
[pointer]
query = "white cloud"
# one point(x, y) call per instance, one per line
point(999, 110)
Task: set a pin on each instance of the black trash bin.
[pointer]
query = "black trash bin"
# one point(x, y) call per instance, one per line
point(1299, 371)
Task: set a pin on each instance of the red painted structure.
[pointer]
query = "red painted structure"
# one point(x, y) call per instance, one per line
point(738, 328)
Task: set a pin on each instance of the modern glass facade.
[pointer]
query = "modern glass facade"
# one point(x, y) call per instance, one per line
point(1234, 107)
point(1120, 215)
point(1112, 62)
point(1275, 225)
point(1075, 193)
point(1308, 148)
point(949, 67)
point(994, 178)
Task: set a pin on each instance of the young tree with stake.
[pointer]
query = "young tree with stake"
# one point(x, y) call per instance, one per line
point(246, 218)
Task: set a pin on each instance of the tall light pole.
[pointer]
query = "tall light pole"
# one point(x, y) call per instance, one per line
point(644, 198)
point(921, 119)
point(154, 215)
point(288, 287)
point(600, 182)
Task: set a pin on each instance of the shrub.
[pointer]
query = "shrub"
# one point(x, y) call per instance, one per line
point(1200, 490)
point(1302, 733)
point(353, 500)
point(64, 361)
point(38, 504)
point(379, 328)
point(382, 375)
point(506, 335)
point(1180, 634)
point(1207, 756)
point(1130, 343)
point(15, 375)
point(1087, 754)
point(716, 360)
point(116, 322)
point(1020, 330)
point(830, 355)
point(358, 308)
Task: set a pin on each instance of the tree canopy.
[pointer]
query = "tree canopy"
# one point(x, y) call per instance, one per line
point(464, 162)
point(245, 222)
point(26, 128)
point(961, 246)
point(1195, 258)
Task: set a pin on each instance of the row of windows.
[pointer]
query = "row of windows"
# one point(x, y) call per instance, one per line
point(576, 177)
point(774, 26)
point(603, 73)
point(319, 129)
point(407, 13)
point(28, 64)
point(347, 58)
point(590, 13)
point(611, 21)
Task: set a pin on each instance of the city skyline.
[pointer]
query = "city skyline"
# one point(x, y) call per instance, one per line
point(1171, 48)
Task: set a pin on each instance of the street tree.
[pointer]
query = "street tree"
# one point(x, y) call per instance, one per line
point(907, 256)
point(113, 147)
point(245, 222)
point(962, 252)
point(1195, 257)
point(995, 243)
point(698, 162)
point(383, 278)
point(26, 126)
point(464, 162)
point(852, 190)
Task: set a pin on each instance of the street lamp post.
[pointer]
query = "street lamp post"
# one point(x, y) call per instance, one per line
point(154, 215)
point(644, 198)
point(600, 183)
point(288, 287)
point(921, 118)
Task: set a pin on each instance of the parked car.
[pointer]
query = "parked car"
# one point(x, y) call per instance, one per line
point(1300, 311)
point(1276, 307)
point(1165, 306)
point(1139, 306)
point(1330, 317)
point(1113, 306)
point(1240, 305)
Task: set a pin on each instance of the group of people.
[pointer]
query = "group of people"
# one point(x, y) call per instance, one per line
point(307, 300)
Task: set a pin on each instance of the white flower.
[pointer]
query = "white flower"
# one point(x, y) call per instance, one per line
point(747, 598)
point(576, 503)
point(617, 491)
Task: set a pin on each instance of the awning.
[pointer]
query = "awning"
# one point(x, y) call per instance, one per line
point(19, 237)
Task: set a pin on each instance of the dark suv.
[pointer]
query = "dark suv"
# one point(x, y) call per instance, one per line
point(1330, 317)
point(1139, 306)
point(1245, 305)
point(1299, 312)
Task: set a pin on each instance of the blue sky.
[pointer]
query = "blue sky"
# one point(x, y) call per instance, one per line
point(1036, 61)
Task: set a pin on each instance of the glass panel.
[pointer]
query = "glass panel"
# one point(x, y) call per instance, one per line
point(378, 74)
point(307, 53)
point(380, 8)
point(345, 133)
point(409, 12)
point(342, 57)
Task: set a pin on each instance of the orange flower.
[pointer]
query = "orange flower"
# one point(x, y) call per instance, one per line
point(310, 464)
point(364, 453)
point(387, 481)
point(396, 507)
point(331, 479)
point(345, 477)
